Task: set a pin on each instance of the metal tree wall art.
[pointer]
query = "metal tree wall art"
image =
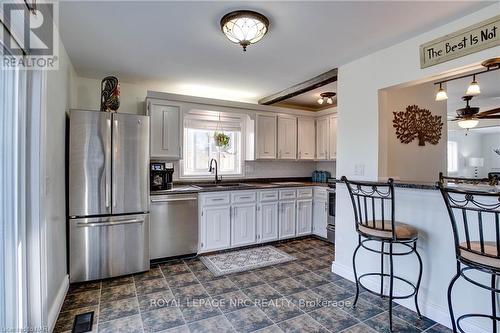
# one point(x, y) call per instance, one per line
point(416, 123)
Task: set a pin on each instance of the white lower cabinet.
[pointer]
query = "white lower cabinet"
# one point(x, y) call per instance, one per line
point(216, 226)
point(287, 219)
point(240, 218)
point(267, 225)
point(304, 217)
point(320, 217)
point(243, 224)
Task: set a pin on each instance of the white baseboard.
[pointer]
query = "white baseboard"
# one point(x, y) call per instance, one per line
point(55, 308)
point(430, 310)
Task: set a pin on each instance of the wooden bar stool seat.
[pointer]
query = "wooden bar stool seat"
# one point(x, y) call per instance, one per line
point(383, 229)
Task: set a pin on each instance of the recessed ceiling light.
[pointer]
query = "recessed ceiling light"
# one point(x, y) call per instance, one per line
point(244, 27)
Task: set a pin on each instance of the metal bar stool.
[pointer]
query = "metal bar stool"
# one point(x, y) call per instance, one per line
point(475, 221)
point(374, 214)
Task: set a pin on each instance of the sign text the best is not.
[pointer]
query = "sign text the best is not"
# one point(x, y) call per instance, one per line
point(473, 39)
point(466, 41)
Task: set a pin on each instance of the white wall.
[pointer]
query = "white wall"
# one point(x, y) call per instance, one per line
point(358, 131)
point(469, 145)
point(491, 159)
point(410, 161)
point(132, 96)
point(59, 90)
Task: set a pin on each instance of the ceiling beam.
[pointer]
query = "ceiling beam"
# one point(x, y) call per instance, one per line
point(300, 88)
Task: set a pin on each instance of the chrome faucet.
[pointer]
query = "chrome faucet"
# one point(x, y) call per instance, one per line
point(210, 169)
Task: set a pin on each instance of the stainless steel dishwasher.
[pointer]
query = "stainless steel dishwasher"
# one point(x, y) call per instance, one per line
point(173, 225)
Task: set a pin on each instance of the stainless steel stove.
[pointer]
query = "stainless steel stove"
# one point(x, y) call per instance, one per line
point(331, 210)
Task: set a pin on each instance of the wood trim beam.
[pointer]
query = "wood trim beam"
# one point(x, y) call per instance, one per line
point(300, 88)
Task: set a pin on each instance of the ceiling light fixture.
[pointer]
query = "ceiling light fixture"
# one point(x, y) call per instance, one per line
point(244, 27)
point(468, 123)
point(441, 94)
point(326, 97)
point(473, 88)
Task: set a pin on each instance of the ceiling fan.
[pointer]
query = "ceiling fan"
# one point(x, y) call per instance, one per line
point(468, 117)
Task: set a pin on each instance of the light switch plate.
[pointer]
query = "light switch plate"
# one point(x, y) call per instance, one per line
point(359, 170)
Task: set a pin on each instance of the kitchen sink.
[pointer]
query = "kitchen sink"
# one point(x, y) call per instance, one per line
point(221, 185)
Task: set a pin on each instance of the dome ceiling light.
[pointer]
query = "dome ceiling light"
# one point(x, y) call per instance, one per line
point(326, 97)
point(244, 27)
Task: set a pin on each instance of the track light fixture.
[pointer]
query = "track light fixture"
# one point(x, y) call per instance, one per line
point(441, 94)
point(473, 89)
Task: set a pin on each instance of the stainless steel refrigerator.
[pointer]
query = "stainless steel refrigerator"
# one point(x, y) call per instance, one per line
point(108, 194)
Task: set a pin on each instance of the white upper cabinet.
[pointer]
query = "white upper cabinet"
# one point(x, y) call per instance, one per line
point(287, 138)
point(165, 130)
point(265, 136)
point(332, 134)
point(305, 138)
point(326, 138)
point(322, 138)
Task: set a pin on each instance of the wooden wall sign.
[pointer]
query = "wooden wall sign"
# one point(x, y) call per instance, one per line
point(416, 123)
point(472, 39)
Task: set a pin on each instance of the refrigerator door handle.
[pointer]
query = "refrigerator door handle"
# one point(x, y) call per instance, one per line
point(107, 224)
point(108, 168)
point(115, 132)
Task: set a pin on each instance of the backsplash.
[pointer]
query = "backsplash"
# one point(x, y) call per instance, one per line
point(277, 169)
point(329, 166)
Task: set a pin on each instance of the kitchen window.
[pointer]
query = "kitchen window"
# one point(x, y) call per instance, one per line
point(200, 146)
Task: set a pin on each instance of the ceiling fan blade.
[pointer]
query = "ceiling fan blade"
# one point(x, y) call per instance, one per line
point(492, 116)
point(488, 112)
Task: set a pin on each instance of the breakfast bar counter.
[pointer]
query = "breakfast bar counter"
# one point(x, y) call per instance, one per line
point(420, 205)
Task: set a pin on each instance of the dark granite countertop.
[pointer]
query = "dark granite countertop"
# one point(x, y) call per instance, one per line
point(433, 186)
point(410, 184)
point(249, 184)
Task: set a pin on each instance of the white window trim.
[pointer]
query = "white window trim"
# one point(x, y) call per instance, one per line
point(201, 114)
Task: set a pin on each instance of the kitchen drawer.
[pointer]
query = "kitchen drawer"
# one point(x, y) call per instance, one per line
point(213, 199)
point(305, 192)
point(268, 195)
point(320, 193)
point(243, 196)
point(287, 194)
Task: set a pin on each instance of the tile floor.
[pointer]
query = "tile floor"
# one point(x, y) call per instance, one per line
point(184, 296)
